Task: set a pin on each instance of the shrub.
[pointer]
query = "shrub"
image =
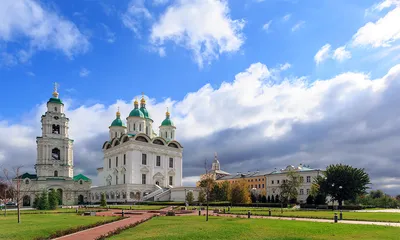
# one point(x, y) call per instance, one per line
point(103, 202)
point(310, 199)
point(170, 213)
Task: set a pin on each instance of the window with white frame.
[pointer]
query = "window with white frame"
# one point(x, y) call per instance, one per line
point(308, 179)
point(158, 161)
point(171, 162)
point(144, 159)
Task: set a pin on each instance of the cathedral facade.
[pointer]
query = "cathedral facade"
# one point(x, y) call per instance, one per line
point(138, 164)
point(54, 163)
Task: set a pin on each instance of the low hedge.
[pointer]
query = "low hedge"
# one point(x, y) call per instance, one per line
point(344, 207)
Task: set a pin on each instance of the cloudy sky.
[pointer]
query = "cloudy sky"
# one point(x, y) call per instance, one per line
point(265, 83)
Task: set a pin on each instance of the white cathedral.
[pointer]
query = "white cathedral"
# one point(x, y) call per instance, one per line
point(138, 165)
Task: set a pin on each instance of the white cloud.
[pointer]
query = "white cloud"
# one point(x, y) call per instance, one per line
point(382, 33)
point(31, 74)
point(84, 72)
point(287, 17)
point(325, 114)
point(322, 54)
point(160, 2)
point(382, 5)
point(298, 25)
point(44, 29)
point(110, 36)
point(202, 26)
point(188, 181)
point(135, 15)
point(285, 66)
point(341, 54)
point(267, 25)
point(8, 60)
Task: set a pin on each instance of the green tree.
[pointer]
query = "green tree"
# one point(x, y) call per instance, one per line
point(310, 199)
point(103, 202)
point(263, 199)
point(225, 191)
point(53, 199)
point(43, 203)
point(190, 198)
point(343, 182)
point(377, 194)
point(202, 197)
point(35, 202)
point(288, 190)
point(398, 198)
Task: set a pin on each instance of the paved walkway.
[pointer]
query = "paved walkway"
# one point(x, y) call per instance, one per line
point(96, 232)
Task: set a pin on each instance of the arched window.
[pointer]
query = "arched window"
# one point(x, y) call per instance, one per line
point(55, 129)
point(55, 173)
point(55, 109)
point(55, 154)
point(140, 127)
point(166, 134)
point(80, 182)
point(27, 181)
point(134, 127)
point(173, 145)
point(142, 139)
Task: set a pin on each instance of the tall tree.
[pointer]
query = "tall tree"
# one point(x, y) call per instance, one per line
point(16, 186)
point(189, 198)
point(288, 190)
point(343, 182)
point(240, 192)
point(202, 197)
point(43, 203)
point(103, 201)
point(53, 199)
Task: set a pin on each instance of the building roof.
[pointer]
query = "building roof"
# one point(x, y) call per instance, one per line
point(81, 177)
point(28, 175)
point(244, 175)
point(300, 168)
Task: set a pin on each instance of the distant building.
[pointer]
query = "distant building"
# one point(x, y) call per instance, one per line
point(275, 178)
point(215, 173)
point(255, 179)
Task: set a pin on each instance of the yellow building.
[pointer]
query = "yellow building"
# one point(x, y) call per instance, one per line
point(256, 180)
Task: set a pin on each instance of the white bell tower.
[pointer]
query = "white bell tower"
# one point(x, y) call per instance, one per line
point(54, 148)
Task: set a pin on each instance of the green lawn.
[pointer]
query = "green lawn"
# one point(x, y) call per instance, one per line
point(138, 207)
point(363, 216)
point(323, 214)
point(59, 210)
point(191, 227)
point(42, 225)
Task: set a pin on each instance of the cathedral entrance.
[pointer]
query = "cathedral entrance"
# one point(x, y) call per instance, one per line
point(80, 199)
point(26, 201)
point(60, 196)
point(157, 183)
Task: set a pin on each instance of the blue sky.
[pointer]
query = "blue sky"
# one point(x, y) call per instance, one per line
point(116, 56)
point(290, 73)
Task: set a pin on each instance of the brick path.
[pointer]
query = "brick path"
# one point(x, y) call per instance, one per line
point(96, 232)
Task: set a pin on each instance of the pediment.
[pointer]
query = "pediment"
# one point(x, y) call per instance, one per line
point(115, 171)
point(123, 170)
point(158, 176)
point(171, 172)
point(144, 170)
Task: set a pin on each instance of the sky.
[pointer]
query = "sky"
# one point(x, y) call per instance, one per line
point(264, 83)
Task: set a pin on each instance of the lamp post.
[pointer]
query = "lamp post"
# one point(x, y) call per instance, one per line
point(5, 204)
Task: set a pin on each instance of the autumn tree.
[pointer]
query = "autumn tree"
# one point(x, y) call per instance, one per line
point(240, 192)
point(202, 197)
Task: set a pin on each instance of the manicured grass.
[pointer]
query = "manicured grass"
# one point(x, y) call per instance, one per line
point(362, 216)
point(42, 225)
point(193, 227)
point(59, 210)
point(322, 214)
point(138, 207)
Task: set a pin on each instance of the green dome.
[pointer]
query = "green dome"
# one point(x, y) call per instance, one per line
point(136, 113)
point(55, 100)
point(167, 122)
point(145, 112)
point(117, 123)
